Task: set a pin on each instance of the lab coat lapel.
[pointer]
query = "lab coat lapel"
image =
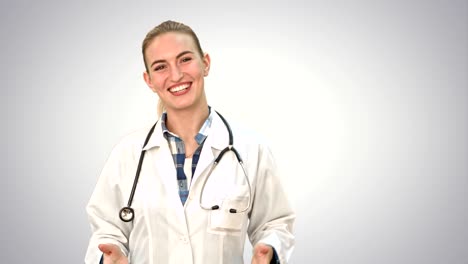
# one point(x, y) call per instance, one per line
point(164, 166)
point(218, 139)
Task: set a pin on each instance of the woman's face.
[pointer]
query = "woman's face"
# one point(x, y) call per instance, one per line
point(176, 71)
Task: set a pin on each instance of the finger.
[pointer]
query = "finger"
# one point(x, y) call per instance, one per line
point(262, 249)
point(107, 248)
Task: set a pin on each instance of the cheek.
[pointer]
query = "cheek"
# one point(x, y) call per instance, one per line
point(196, 70)
point(157, 83)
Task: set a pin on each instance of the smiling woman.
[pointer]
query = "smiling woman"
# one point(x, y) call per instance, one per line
point(170, 27)
point(175, 69)
point(192, 203)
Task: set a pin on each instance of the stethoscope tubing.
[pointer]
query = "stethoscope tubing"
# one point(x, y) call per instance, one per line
point(140, 163)
point(216, 207)
point(128, 209)
point(127, 213)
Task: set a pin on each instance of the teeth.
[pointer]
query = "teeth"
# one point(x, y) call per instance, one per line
point(179, 88)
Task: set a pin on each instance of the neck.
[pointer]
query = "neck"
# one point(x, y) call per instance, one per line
point(186, 123)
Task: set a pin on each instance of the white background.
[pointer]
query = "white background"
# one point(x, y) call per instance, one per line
point(364, 103)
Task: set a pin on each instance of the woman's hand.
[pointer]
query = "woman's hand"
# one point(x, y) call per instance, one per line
point(112, 254)
point(262, 254)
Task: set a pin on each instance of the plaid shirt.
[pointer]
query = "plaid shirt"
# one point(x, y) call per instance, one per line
point(178, 152)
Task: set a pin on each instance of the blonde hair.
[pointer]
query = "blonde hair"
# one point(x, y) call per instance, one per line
point(166, 27)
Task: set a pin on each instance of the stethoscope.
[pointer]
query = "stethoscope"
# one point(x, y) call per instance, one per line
point(127, 213)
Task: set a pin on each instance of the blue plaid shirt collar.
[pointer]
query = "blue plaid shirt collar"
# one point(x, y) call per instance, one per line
point(177, 148)
point(201, 135)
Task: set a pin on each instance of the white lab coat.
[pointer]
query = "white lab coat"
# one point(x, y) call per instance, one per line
point(164, 230)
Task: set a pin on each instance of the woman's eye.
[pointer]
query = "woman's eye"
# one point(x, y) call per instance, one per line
point(159, 67)
point(186, 59)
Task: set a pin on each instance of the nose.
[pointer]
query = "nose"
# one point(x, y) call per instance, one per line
point(176, 74)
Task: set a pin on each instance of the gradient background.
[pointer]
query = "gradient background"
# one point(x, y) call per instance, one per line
point(364, 102)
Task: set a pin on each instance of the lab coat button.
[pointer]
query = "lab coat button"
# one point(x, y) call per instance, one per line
point(184, 239)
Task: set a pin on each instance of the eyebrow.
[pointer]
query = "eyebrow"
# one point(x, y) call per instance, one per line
point(178, 56)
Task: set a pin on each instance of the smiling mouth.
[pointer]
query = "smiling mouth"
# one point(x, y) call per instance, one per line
point(179, 88)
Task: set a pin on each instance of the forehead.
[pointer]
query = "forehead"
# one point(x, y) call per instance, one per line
point(169, 45)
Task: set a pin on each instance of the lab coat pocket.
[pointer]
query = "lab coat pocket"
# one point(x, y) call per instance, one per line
point(222, 221)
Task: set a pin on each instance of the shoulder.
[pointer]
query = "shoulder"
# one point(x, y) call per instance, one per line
point(132, 141)
point(244, 134)
point(254, 147)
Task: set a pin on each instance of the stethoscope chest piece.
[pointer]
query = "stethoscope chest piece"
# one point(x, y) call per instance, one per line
point(126, 214)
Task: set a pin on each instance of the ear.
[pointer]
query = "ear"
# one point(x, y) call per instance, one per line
point(148, 81)
point(206, 64)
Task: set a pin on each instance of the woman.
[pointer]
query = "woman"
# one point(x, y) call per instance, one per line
point(185, 212)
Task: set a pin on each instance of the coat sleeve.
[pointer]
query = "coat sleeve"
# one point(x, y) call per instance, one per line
point(271, 216)
point(104, 206)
